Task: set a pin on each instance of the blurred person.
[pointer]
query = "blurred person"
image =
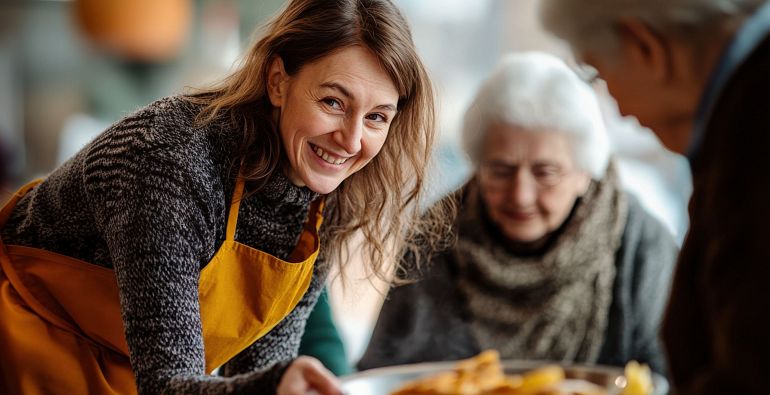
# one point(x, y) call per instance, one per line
point(696, 73)
point(185, 238)
point(553, 260)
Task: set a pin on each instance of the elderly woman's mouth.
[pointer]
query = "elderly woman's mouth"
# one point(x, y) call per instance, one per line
point(520, 215)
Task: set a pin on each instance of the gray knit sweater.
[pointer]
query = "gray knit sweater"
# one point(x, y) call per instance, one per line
point(428, 320)
point(149, 197)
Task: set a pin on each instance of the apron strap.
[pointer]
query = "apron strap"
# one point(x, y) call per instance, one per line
point(235, 205)
point(315, 217)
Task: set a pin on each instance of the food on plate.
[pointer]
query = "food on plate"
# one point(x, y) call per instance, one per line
point(638, 379)
point(483, 375)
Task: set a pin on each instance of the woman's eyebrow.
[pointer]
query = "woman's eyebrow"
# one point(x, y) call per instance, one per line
point(340, 88)
point(546, 162)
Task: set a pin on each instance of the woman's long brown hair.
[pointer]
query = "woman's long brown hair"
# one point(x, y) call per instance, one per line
point(384, 201)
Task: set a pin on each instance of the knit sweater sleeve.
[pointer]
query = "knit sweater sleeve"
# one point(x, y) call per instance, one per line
point(154, 203)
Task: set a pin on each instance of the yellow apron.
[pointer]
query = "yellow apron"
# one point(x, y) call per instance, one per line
point(60, 325)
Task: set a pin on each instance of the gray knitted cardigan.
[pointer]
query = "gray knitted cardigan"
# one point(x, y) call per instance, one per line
point(149, 198)
point(428, 320)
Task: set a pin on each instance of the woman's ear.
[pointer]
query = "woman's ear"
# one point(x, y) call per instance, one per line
point(276, 82)
point(583, 183)
point(646, 48)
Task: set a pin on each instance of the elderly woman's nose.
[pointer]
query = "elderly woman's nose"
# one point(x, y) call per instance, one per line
point(349, 135)
point(523, 189)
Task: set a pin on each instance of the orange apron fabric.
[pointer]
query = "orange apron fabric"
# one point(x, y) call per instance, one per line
point(60, 325)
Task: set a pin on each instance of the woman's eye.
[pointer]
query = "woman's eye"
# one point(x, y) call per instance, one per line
point(544, 172)
point(377, 117)
point(548, 175)
point(333, 103)
point(502, 172)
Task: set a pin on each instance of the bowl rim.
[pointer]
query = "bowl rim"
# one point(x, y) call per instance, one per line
point(660, 383)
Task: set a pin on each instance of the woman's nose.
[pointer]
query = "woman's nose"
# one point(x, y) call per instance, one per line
point(349, 136)
point(523, 189)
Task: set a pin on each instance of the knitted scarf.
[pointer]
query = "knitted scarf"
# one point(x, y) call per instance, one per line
point(551, 306)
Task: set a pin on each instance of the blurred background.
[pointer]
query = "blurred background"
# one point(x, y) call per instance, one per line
point(69, 68)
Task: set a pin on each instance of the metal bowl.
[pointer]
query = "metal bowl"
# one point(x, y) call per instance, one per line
point(383, 381)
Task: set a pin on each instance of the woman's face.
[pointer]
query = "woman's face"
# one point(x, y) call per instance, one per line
point(334, 115)
point(528, 181)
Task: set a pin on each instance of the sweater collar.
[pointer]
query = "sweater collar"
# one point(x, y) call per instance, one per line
point(280, 190)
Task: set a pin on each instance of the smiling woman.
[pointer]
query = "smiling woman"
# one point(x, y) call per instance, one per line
point(194, 224)
point(334, 115)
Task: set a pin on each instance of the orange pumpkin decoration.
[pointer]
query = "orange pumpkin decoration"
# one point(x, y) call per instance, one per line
point(140, 30)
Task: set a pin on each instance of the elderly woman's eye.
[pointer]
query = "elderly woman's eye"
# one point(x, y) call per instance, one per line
point(501, 171)
point(547, 175)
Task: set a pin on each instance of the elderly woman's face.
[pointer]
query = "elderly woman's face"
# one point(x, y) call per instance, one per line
point(528, 181)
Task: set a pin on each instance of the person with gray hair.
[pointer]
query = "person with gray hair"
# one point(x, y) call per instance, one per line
point(696, 73)
point(552, 259)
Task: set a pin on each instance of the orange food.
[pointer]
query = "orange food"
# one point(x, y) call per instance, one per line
point(483, 375)
point(638, 379)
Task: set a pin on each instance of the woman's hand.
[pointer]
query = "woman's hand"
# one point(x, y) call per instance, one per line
point(307, 374)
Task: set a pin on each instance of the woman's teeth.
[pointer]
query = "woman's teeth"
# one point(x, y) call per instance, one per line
point(329, 158)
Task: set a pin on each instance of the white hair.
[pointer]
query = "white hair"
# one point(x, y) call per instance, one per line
point(539, 92)
point(591, 24)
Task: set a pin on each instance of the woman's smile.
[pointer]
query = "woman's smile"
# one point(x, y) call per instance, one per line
point(327, 156)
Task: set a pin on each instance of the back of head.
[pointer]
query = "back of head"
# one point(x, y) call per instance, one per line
point(539, 92)
point(590, 24)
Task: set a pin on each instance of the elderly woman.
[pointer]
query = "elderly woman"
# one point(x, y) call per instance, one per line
point(553, 261)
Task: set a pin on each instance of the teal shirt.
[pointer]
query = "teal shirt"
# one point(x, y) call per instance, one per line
point(322, 340)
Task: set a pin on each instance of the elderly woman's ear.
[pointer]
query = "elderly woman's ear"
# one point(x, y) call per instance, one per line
point(584, 183)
